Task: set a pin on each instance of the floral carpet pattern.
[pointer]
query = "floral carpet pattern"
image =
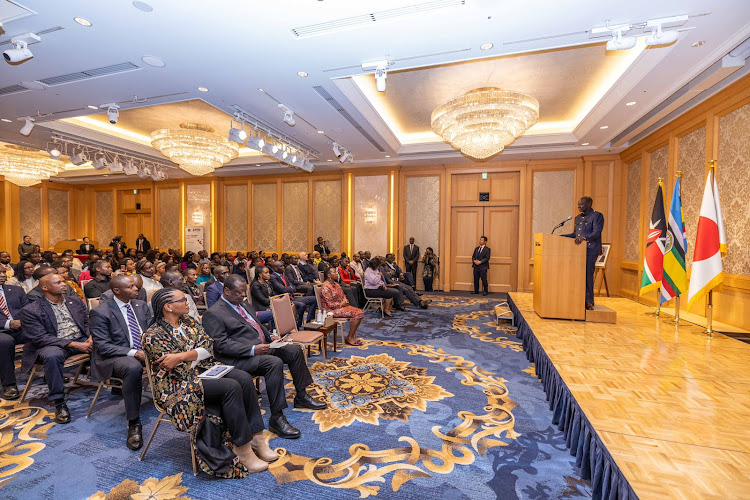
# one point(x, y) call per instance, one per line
point(437, 403)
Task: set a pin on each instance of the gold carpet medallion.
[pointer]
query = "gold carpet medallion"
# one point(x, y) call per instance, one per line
point(22, 429)
point(169, 488)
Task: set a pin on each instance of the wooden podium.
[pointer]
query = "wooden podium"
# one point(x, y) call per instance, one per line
point(559, 277)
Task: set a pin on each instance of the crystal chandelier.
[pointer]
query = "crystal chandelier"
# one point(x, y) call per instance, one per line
point(483, 121)
point(26, 166)
point(195, 147)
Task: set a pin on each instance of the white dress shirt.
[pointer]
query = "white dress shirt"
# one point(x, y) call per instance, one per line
point(202, 353)
point(10, 317)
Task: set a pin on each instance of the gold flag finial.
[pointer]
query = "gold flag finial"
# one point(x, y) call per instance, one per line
point(679, 174)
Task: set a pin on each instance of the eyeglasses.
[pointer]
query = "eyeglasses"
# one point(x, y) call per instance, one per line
point(184, 299)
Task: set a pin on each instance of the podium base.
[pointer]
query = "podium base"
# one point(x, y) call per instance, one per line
point(601, 314)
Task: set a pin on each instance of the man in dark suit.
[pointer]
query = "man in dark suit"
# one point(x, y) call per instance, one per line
point(36, 293)
point(293, 275)
point(243, 342)
point(56, 327)
point(116, 327)
point(214, 291)
point(281, 285)
point(480, 261)
point(142, 244)
point(117, 245)
point(101, 273)
point(398, 274)
point(391, 280)
point(411, 257)
point(309, 271)
point(141, 291)
point(588, 226)
point(12, 300)
point(322, 247)
point(86, 247)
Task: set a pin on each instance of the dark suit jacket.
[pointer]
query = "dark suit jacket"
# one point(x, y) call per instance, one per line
point(86, 249)
point(589, 225)
point(324, 250)
point(260, 295)
point(214, 293)
point(277, 283)
point(36, 293)
point(233, 336)
point(484, 258)
point(411, 255)
point(291, 277)
point(108, 295)
point(146, 245)
point(309, 273)
point(40, 327)
point(15, 299)
point(109, 330)
point(118, 247)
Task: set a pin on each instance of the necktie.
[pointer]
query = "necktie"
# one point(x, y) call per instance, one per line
point(296, 272)
point(283, 279)
point(135, 329)
point(250, 320)
point(4, 306)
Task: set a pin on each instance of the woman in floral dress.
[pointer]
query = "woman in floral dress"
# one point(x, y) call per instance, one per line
point(332, 299)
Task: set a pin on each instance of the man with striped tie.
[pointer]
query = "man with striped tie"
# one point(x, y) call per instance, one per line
point(116, 327)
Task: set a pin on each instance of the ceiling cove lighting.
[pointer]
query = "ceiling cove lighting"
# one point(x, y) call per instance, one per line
point(584, 144)
point(194, 147)
point(482, 122)
point(26, 166)
point(631, 103)
point(604, 127)
point(202, 89)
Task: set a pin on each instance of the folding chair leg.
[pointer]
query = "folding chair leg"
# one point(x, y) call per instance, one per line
point(151, 437)
point(96, 396)
point(28, 384)
point(192, 454)
point(78, 372)
point(324, 348)
point(382, 309)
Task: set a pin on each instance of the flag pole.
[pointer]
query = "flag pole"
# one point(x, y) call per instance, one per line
point(709, 314)
point(658, 288)
point(677, 298)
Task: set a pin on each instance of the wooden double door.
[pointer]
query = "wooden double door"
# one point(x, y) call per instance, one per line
point(500, 226)
point(134, 216)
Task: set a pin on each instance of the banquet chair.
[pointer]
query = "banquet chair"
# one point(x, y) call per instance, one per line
point(286, 323)
point(372, 301)
point(75, 360)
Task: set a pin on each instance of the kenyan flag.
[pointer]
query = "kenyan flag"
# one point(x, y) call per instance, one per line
point(653, 262)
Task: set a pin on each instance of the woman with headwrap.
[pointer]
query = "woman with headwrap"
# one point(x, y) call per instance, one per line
point(178, 350)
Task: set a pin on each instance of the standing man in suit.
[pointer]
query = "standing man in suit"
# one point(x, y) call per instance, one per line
point(56, 327)
point(86, 247)
point(116, 328)
point(322, 247)
point(588, 227)
point(481, 263)
point(12, 300)
point(241, 341)
point(411, 257)
point(142, 244)
point(214, 291)
point(26, 248)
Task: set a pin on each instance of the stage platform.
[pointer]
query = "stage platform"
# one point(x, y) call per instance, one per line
point(652, 410)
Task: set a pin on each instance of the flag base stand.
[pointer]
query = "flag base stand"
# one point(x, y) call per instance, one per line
point(709, 331)
point(657, 313)
point(676, 320)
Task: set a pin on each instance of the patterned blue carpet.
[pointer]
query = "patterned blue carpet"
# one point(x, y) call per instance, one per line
point(436, 404)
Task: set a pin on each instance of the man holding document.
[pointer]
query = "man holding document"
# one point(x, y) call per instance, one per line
point(242, 341)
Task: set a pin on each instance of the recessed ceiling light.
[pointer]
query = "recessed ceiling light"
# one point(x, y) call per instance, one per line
point(7, 121)
point(261, 89)
point(486, 46)
point(698, 43)
point(257, 164)
point(387, 156)
point(604, 127)
point(142, 6)
point(301, 73)
point(153, 61)
point(105, 175)
point(321, 132)
point(329, 160)
point(203, 89)
point(631, 103)
point(82, 21)
point(584, 144)
point(92, 107)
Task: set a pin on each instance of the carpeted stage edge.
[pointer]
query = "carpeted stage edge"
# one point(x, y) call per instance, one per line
point(437, 404)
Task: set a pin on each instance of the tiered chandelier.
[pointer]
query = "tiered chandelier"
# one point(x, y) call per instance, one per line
point(26, 166)
point(483, 121)
point(195, 147)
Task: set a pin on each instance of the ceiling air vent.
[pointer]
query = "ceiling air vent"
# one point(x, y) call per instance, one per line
point(88, 74)
point(335, 105)
point(372, 17)
point(12, 89)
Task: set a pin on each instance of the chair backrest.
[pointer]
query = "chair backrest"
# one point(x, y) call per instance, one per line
point(92, 303)
point(318, 289)
point(205, 299)
point(283, 314)
point(322, 275)
point(83, 283)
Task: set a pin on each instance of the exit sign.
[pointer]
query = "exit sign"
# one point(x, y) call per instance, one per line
point(484, 175)
point(135, 191)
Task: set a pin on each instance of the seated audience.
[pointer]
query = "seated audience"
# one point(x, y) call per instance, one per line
point(23, 276)
point(12, 300)
point(214, 291)
point(315, 258)
point(63, 271)
point(175, 347)
point(332, 299)
point(205, 273)
point(173, 279)
point(240, 340)
point(192, 260)
point(257, 263)
point(191, 277)
point(280, 285)
point(138, 280)
point(147, 271)
point(375, 287)
point(398, 274)
point(100, 282)
point(117, 327)
point(261, 293)
point(160, 268)
point(56, 327)
point(389, 276)
point(86, 247)
point(36, 292)
point(309, 271)
point(293, 275)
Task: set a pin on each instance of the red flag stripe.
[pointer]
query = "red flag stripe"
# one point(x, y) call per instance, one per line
point(708, 244)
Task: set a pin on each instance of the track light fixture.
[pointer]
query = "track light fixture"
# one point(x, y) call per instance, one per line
point(54, 152)
point(288, 115)
point(620, 42)
point(79, 158)
point(336, 149)
point(655, 29)
point(660, 37)
point(381, 72)
point(28, 125)
point(116, 166)
point(20, 51)
point(130, 167)
point(344, 157)
point(100, 162)
point(237, 135)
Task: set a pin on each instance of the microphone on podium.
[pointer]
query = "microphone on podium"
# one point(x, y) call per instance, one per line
point(561, 224)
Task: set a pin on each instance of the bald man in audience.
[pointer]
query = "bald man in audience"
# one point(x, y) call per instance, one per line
point(36, 292)
point(12, 300)
point(116, 327)
point(214, 291)
point(56, 328)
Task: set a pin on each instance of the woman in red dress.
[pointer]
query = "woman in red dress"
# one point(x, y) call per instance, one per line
point(332, 299)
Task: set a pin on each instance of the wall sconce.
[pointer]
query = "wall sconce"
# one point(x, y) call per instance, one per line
point(198, 218)
point(371, 215)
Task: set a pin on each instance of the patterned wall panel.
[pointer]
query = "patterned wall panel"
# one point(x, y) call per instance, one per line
point(633, 212)
point(554, 198)
point(30, 201)
point(734, 187)
point(169, 218)
point(294, 217)
point(236, 218)
point(327, 212)
point(658, 167)
point(105, 216)
point(198, 201)
point(57, 215)
point(371, 202)
point(423, 213)
point(264, 217)
point(691, 159)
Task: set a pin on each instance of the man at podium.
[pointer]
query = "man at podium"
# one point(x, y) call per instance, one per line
point(587, 227)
